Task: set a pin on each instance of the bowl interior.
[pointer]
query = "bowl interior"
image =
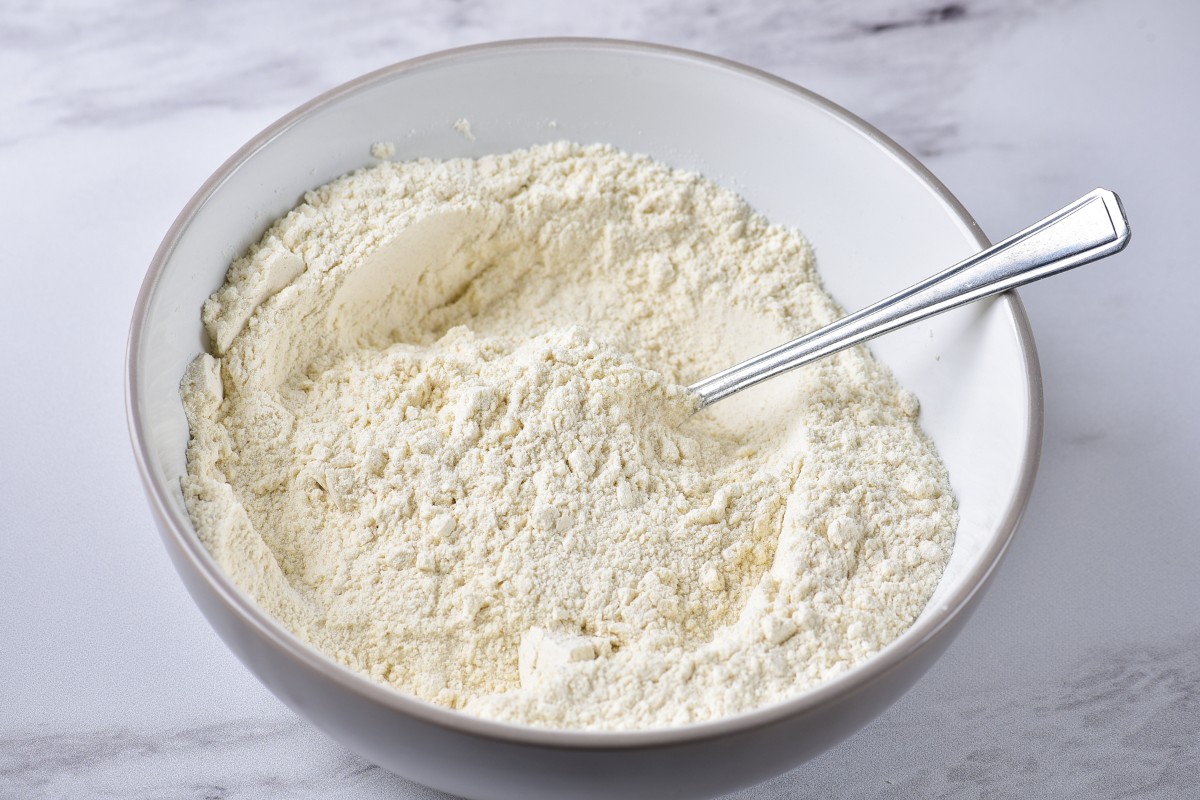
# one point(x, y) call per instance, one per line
point(877, 221)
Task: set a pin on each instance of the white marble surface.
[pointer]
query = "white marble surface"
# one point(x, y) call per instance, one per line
point(1079, 675)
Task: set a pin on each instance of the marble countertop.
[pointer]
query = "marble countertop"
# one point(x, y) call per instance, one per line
point(1079, 675)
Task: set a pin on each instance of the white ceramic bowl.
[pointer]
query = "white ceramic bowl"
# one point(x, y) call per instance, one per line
point(878, 220)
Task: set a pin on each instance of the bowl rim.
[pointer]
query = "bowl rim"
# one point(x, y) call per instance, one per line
point(177, 529)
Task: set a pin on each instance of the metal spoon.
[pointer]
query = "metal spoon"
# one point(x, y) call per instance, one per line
point(1091, 228)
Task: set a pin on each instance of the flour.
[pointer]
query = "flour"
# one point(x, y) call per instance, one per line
point(443, 437)
point(463, 126)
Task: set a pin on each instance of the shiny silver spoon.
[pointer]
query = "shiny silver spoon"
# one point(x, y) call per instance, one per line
point(1092, 227)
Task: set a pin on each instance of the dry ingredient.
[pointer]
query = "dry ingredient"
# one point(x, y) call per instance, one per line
point(442, 436)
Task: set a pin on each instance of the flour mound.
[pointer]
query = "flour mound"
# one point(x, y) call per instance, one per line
point(443, 437)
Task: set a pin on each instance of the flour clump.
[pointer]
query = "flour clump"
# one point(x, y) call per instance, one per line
point(442, 435)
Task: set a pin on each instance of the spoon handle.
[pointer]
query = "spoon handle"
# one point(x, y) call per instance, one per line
point(1092, 227)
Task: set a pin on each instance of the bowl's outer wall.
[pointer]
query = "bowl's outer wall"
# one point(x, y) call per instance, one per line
point(635, 97)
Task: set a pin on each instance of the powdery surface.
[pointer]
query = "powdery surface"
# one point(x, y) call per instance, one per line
point(442, 436)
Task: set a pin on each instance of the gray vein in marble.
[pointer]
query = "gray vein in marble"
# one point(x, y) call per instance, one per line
point(1124, 723)
point(929, 16)
point(278, 757)
point(906, 61)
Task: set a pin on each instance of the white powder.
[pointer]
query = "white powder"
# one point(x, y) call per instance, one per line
point(463, 126)
point(443, 437)
point(383, 150)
